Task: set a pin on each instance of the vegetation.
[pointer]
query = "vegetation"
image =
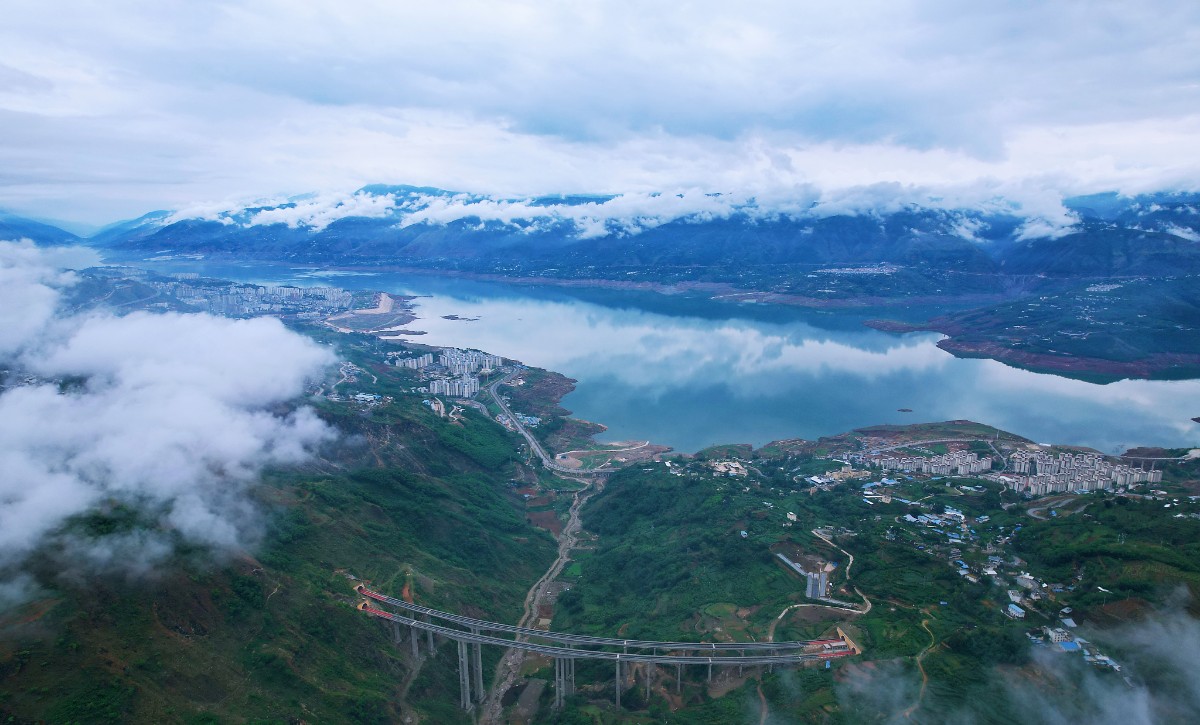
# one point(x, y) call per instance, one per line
point(1143, 327)
point(669, 563)
point(272, 635)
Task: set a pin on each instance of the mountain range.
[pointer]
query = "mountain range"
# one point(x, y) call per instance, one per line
point(700, 237)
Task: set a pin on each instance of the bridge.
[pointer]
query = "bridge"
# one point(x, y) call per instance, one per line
point(471, 634)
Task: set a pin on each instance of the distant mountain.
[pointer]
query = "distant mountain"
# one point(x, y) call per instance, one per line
point(13, 227)
point(693, 236)
point(128, 233)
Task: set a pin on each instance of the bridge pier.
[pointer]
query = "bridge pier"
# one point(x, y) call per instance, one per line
point(478, 669)
point(564, 650)
point(464, 677)
point(560, 683)
point(564, 680)
point(618, 684)
point(570, 673)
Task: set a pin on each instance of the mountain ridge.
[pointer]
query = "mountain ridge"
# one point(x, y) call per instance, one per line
point(598, 236)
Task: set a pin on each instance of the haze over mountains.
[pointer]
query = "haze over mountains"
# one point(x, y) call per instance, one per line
point(691, 235)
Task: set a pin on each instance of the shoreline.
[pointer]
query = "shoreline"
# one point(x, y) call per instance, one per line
point(1155, 366)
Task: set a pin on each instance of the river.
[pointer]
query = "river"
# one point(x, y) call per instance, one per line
point(689, 372)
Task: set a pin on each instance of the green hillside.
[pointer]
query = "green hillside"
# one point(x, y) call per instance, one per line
point(669, 561)
point(272, 635)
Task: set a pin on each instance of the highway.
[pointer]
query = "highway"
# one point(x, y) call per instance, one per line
point(579, 639)
point(573, 653)
point(534, 444)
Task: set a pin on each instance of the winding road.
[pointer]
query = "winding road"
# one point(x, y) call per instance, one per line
point(534, 444)
point(822, 537)
point(510, 664)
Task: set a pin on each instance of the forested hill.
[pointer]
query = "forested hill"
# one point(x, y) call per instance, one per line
point(409, 501)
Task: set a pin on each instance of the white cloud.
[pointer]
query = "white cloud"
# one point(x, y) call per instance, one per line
point(110, 110)
point(319, 213)
point(633, 213)
point(170, 420)
point(1183, 232)
point(27, 298)
point(623, 214)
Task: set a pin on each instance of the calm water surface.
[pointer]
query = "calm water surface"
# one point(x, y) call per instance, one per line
point(689, 372)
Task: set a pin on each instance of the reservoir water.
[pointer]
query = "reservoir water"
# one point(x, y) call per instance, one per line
point(689, 372)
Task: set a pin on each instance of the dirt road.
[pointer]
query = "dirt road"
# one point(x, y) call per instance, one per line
point(822, 537)
point(921, 666)
point(510, 663)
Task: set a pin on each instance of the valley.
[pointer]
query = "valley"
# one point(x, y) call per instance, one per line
point(535, 363)
point(723, 545)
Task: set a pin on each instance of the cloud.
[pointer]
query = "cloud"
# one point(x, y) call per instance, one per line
point(111, 110)
point(622, 214)
point(649, 353)
point(878, 691)
point(633, 213)
point(1159, 682)
point(29, 276)
point(171, 418)
point(326, 209)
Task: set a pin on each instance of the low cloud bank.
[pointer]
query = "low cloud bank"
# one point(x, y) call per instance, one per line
point(167, 418)
point(633, 213)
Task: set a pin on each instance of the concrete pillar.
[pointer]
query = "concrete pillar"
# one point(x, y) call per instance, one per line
point(678, 678)
point(479, 692)
point(464, 677)
point(477, 669)
point(432, 649)
point(571, 673)
point(618, 684)
point(395, 633)
point(560, 682)
point(557, 683)
point(415, 640)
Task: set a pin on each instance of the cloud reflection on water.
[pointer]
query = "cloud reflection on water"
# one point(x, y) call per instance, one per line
point(690, 381)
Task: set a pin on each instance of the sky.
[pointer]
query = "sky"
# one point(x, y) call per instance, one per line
point(112, 109)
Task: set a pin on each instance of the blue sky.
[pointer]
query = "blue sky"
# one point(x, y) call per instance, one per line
point(111, 109)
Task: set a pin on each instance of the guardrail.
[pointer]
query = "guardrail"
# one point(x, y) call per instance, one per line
point(566, 648)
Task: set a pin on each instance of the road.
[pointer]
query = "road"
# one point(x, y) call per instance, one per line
point(912, 444)
point(921, 666)
point(510, 664)
point(850, 556)
point(534, 444)
point(1000, 456)
point(1193, 453)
